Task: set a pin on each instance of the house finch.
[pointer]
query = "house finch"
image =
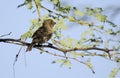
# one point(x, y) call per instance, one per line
point(42, 34)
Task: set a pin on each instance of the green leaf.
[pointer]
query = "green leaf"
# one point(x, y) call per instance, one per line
point(113, 33)
point(55, 1)
point(101, 27)
point(29, 4)
point(78, 12)
point(60, 24)
point(67, 63)
point(114, 73)
point(24, 36)
point(64, 62)
point(109, 31)
point(90, 11)
point(71, 18)
point(100, 17)
point(77, 45)
point(83, 39)
point(67, 7)
point(75, 54)
point(31, 28)
point(36, 23)
point(64, 9)
point(66, 43)
point(98, 10)
point(88, 63)
point(118, 60)
point(57, 32)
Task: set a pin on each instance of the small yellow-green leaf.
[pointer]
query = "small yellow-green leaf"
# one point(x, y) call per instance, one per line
point(78, 12)
point(82, 39)
point(55, 1)
point(98, 10)
point(114, 73)
point(109, 31)
point(101, 27)
point(67, 7)
point(64, 62)
point(31, 28)
point(29, 4)
point(24, 36)
point(67, 63)
point(100, 17)
point(34, 21)
point(72, 18)
point(61, 24)
point(77, 45)
point(90, 11)
point(88, 63)
point(66, 43)
point(82, 54)
point(75, 54)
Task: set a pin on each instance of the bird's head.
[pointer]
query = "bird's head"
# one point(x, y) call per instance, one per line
point(49, 22)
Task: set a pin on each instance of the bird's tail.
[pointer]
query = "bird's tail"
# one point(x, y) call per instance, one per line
point(29, 48)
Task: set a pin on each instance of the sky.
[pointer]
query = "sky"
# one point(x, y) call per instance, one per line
point(36, 65)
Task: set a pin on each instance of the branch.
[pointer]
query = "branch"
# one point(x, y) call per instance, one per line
point(23, 43)
point(91, 48)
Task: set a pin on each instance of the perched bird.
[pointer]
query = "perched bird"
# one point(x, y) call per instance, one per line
point(42, 34)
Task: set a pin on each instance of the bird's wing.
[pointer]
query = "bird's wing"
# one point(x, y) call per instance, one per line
point(38, 33)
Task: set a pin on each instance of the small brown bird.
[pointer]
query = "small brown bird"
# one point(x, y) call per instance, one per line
point(42, 34)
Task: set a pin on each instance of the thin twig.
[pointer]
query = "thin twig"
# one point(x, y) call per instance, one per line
point(5, 34)
point(38, 11)
point(53, 12)
point(21, 5)
point(16, 60)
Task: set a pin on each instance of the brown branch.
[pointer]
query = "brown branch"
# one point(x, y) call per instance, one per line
point(23, 43)
point(14, 41)
point(91, 48)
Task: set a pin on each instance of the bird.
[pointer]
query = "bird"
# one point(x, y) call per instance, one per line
point(42, 34)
